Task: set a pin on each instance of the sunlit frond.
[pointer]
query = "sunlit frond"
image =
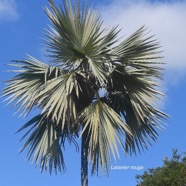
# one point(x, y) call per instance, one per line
point(106, 131)
point(77, 39)
point(56, 96)
point(23, 89)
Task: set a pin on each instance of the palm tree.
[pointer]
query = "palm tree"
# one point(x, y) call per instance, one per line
point(93, 87)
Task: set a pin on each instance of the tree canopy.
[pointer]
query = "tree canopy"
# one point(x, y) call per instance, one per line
point(172, 173)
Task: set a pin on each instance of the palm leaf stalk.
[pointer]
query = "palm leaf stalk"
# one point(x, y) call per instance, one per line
point(93, 87)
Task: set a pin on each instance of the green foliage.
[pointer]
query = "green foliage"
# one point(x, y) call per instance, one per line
point(91, 82)
point(172, 173)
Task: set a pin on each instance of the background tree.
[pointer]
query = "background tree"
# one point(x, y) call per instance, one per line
point(92, 86)
point(172, 173)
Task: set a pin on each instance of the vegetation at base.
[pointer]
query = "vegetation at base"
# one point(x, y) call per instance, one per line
point(172, 173)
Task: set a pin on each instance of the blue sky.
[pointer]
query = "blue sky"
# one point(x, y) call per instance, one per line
point(21, 26)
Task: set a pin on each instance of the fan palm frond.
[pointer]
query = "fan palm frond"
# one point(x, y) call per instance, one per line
point(106, 129)
point(131, 90)
point(140, 52)
point(23, 89)
point(56, 96)
point(45, 142)
point(77, 39)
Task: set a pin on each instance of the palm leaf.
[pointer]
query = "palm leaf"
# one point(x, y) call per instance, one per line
point(56, 96)
point(131, 90)
point(77, 39)
point(106, 130)
point(139, 52)
point(44, 142)
point(23, 89)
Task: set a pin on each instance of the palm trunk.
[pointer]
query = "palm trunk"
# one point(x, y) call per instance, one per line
point(84, 158)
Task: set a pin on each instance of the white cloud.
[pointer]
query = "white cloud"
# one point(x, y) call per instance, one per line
point(166, 20)
point(8, 10)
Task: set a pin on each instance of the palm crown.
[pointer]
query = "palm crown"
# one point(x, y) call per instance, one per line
point(93, 85)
